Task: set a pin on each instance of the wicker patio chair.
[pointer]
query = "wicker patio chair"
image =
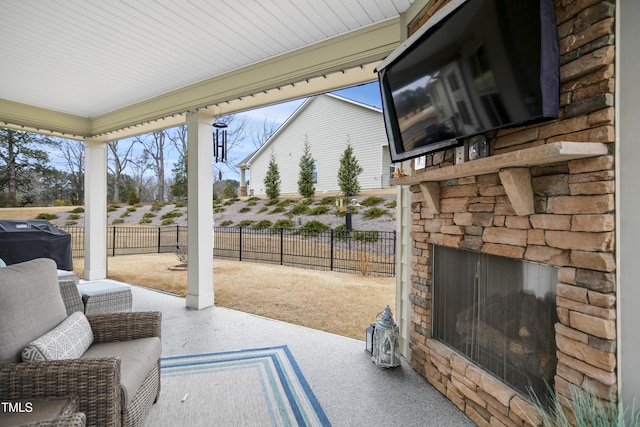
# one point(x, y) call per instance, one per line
point(97, 379)
point(47, 413)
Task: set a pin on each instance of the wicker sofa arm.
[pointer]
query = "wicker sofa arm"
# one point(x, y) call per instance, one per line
point(78, 419)
point(125, 326)
point(96, 382)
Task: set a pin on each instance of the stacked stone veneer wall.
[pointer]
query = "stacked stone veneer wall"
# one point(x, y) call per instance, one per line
point(572, 228)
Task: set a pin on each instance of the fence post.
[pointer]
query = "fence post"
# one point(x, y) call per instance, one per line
point(114, 241)
point(281, 245)
point(240, 246)
point(177, 237)
point(331, 252)
point(159, 231)
point(393, 266)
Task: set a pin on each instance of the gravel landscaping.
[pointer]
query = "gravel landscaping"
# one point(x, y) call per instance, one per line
point(371, 211)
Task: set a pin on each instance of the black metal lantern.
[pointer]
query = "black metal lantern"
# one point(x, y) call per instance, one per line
point(220, 141)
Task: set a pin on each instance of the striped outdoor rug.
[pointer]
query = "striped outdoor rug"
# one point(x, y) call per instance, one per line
point(258, 387)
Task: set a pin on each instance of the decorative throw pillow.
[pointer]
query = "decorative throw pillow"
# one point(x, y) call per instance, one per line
point(69, 340)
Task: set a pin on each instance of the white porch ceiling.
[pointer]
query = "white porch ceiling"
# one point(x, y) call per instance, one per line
point(92, 67)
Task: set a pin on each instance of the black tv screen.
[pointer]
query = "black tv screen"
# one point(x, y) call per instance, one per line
point(475, 66)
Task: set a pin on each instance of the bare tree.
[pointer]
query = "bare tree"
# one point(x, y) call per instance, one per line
point(119, 161)
point(154, 151)
point(178, 137)
point(260, 136)
point(73, 154)
point(139, 167)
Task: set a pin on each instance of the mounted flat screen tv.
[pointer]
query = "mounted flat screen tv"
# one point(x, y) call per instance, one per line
point(475, 66)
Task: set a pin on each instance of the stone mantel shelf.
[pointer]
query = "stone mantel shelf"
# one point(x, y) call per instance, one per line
point(512, 167)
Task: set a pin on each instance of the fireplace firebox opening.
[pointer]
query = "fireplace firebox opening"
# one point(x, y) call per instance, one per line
point(500, 313)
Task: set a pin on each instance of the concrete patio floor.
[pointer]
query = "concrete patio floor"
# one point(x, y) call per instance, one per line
point(350, 388)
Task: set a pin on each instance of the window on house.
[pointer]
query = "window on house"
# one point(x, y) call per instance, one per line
point(315, 171)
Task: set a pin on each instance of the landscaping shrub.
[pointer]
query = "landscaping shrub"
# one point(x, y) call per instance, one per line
point(284, 203)
point(245, 223)
point(341, 233)
point(329, 200)
point(300, 208)
point(314, 227)
point(77, 210)
point(277, 209)
point(218, 209)
point(372, 201)
point(171, 215)
point(373, 213)
point(263, 209)
point(156, 206)
point(70, 223)
point(229, 202)
point(245, 209)
point(226, 223)
point(117, 221)
point(112, 208)
point(73, 216)
point(283, 223)
point(146, 218)
point(265, 223)
point(167, 221)
point(133, 197)
point(46, 216)
point(366, 236)
point(180, 204)
point(319, 210)
point(251, 203)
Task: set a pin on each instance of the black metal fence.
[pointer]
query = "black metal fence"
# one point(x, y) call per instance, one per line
point(133, 240)
point(366, 252)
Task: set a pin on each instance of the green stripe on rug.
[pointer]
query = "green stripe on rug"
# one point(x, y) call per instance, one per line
point(257, 387)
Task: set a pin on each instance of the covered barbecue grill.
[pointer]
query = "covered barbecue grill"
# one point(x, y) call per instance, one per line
point(26, 240)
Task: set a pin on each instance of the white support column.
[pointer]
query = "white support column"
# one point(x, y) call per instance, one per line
point(95, 209)
point(242, 177)
point(628, 203)
point(200, 192)
point(403, 267)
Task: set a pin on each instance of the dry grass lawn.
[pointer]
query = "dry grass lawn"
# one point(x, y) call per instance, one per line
point(31, 212)
point(339, 303)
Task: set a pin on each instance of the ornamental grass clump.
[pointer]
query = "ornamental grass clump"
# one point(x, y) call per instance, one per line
point(587, 410)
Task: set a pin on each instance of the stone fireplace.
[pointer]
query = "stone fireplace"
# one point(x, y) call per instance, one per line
point(545, 195)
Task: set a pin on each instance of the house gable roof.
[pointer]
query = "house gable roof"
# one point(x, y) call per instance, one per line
point(246, 163)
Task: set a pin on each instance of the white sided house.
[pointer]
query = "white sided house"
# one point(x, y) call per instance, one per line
point(328, 122)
